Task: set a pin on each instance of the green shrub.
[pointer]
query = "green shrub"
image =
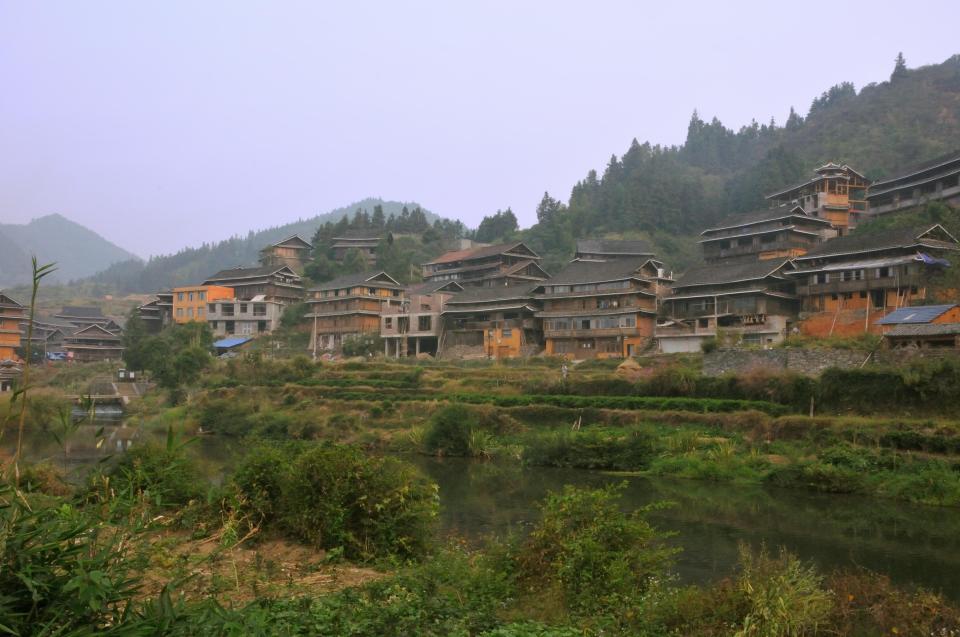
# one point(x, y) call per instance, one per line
point(337, 497)
point(590, 449)
point(449, 431)
point(590, 552)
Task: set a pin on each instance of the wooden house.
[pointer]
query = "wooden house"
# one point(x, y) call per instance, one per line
point(935, 180)
point(491, 322)
point(835, 193)
point(363, 240)
point(416, 327)
point(190, 302)
point(751, 301)
point(873, 272)
point(94, 343)
point(610, 249)
point(349, 306)
point(275, 283)
point(600, 309)
point(10, 372)
point(11, 316)
point(82, 316)
point(157, 313)
point(488, 266)
point(767, 234)
point(293, 252)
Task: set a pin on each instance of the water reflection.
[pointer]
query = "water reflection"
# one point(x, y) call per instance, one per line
point(912, 544)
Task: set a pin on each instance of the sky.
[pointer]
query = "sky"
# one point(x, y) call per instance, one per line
point(163, 125)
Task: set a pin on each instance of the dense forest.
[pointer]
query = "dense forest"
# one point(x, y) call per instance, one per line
point(669, 194)
point(192, 265)
point(665, 194)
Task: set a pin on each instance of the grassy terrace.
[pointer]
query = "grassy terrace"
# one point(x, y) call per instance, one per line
point(596, 419)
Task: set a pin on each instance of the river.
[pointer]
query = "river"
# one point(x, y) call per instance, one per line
point(910, 543)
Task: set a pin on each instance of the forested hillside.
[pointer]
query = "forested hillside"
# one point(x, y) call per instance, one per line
point(77, 250)
point(669, 194)
point(193, 265)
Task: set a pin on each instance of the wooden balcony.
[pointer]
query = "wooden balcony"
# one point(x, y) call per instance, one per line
point(863, 285)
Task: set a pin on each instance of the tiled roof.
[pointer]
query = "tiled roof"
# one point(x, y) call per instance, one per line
point(362, 278)
point(761, 216)
point(925, 329)
point(480, 253)
point(79, 311)
point(732, 273)
point(578, 272)
point(917, 314)
point(356, 234)
point(295, 239)
point(865, 241)
point(614, 246)
point(499, 293)
point(248, 273)
point(429, 287)
point(942, 160)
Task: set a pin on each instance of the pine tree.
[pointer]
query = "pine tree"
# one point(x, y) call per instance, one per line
point(378, 220)
point(899, 68)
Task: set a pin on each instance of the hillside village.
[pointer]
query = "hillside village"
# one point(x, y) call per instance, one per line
point(799, 267)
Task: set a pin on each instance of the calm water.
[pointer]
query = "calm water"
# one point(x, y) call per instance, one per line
point(912, 544)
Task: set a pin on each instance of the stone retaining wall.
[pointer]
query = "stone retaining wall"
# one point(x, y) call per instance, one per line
point(810, 362)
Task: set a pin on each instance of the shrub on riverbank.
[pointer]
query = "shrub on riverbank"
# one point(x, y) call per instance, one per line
point(592, 449)
point(336, 497)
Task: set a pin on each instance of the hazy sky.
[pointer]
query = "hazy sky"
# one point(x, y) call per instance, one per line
point(165, 124)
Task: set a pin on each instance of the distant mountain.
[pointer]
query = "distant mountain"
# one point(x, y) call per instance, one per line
point(78, 251)
point(193, 265)
point(668, 195)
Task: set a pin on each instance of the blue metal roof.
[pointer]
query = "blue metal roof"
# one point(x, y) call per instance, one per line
point(227, 343)
point(917, 314)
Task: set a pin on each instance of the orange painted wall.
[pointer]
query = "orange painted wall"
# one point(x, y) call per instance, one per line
point(950, 316)
point(183, 304)
point(500, 346)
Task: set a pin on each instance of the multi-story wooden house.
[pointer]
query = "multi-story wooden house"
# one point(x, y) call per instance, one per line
point(752, 302)
point(48, 334)
point(872, 271)
point(493, 322)
point(935, 180)
point(836, 193)
point(488, 266)
point(350, 306)
point(275, 283)
point(293, 252)
point(609, 249)
point(600, 309)
point(227, 317)
point(365, 241)
point(416, 326)
point(157, 313)
point(94, 343)
point(190, 302)
point(82, 316)
point(777, 233)
point(11, 316)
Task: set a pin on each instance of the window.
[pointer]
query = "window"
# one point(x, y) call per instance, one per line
point(883, 273)
point(190, 312)
point(586, 344)
point(200, 311)
point(190, 295)
point(179, 312)
point(863, 294)
point(372, 291)
point(584, 324)
point(506, 332)
point(203, 295)
point(229, 327)
point(212, 308)
point(259, 309)
point(179, 296)
point(261, 326)
point(821, 277)
point(213, 325)
point(388, 322)
point(424, 323)
point(243, 308)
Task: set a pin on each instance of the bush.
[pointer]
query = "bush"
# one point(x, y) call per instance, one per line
point(336, 497)
point(590, 552)
point(590, 449)
point(449, 431)
point(365, 345)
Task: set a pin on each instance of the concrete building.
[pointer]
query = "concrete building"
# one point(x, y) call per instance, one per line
point(227, 317)
point(190, 302)
point(416, 327)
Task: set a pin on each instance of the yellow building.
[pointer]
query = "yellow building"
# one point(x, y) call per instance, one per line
point(190, 303)
point(11, 314)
